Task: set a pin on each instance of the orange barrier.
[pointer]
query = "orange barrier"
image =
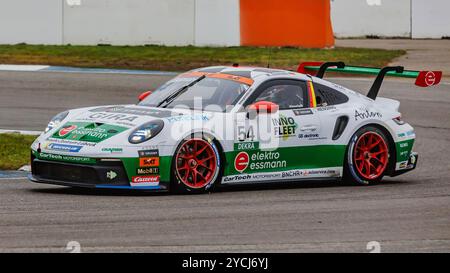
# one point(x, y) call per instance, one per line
point(301, 23)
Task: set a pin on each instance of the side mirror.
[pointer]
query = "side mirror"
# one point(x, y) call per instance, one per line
point(265, 107)
point(144, 95)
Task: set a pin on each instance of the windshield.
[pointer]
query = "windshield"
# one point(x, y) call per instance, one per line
point(212, 94)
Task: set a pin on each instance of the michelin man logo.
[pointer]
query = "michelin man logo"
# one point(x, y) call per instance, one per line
point(373, 2)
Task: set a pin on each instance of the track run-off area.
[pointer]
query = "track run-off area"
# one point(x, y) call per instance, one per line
point(409, 213)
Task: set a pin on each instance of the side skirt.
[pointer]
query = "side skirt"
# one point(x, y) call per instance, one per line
point(331, 173)
point(286, 181)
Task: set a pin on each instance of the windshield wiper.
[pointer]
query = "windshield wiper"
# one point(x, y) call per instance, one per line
point(180, 91)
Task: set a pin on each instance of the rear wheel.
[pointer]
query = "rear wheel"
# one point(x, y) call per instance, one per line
point(196, 165)
point(367, 156)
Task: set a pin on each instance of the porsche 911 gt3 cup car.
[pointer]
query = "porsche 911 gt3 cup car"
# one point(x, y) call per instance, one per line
point(233, 125)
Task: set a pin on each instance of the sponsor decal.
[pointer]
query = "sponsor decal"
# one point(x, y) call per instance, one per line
point(148, 153)
point(73, 142)
point(113, 117)
point(237, 178)
point(404, 153)
point(302, 112)
point(95, 134)
point(251, 177)
point(112, 150)
point(325, 108)
point(292, 174)
point(121, 123)
point(63, 147)
point(149, 162)
point(145, 179)
point(367, 114)
point(430, 78)
point(284, 126)
point(111, 175)
point(241, 161)
point(66, 130)
point(266, 160)
point(244, 146)
point(314, 136)
point(88, 132)
point(278, 176)
point(309, 173)
point(153, 170)
point(65, 158)
point(407, 134)
point(409, 164)
point(134, 111)
point(403, 165)
point(288, 158)
point(266, 176)
point(188, 118)
point(404, 149)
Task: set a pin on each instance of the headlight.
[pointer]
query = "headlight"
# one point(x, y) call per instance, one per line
point(146, 131)
point(56, 121)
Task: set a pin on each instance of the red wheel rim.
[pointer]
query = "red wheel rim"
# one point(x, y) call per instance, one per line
point(196, 163)
point(371, 155)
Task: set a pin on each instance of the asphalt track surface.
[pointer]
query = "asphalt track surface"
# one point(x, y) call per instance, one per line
point(410, 213)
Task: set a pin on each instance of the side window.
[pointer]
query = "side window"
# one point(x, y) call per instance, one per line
point(288, 94)
point(328, 96)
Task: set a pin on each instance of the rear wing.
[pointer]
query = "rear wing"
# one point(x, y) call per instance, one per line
point(423, 78)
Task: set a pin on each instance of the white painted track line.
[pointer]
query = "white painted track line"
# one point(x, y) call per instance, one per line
point(22, 132)
point(13, 67)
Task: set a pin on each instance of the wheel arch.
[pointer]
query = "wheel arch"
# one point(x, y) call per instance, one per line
point(392, 147)
point(216, 142)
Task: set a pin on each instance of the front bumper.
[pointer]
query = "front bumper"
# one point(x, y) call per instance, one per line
point(106, 175)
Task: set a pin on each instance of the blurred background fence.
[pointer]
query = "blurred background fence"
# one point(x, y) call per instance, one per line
point(218, 22)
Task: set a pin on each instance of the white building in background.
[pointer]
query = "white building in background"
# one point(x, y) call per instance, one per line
point(199, 22)
point(120, 22)
point(391, 18)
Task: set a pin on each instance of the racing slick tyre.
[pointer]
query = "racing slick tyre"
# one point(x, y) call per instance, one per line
point(196, 167)
point(367, 157)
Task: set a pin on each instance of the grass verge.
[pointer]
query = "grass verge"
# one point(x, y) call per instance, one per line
point(14, 151)
point(184, 58)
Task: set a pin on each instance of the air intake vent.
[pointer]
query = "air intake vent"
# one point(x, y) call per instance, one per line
point(341, 123)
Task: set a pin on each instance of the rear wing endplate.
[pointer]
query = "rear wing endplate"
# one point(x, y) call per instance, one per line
point(423, 78)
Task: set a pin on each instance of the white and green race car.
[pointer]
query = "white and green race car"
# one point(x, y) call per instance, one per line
point(219, 126)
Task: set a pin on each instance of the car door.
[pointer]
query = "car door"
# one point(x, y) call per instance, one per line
point(279, 139)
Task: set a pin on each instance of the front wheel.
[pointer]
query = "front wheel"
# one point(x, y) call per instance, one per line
point(196, 165)
point(367, 156)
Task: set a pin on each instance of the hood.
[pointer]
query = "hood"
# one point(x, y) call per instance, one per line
point(97, 124)
point(122, 115)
